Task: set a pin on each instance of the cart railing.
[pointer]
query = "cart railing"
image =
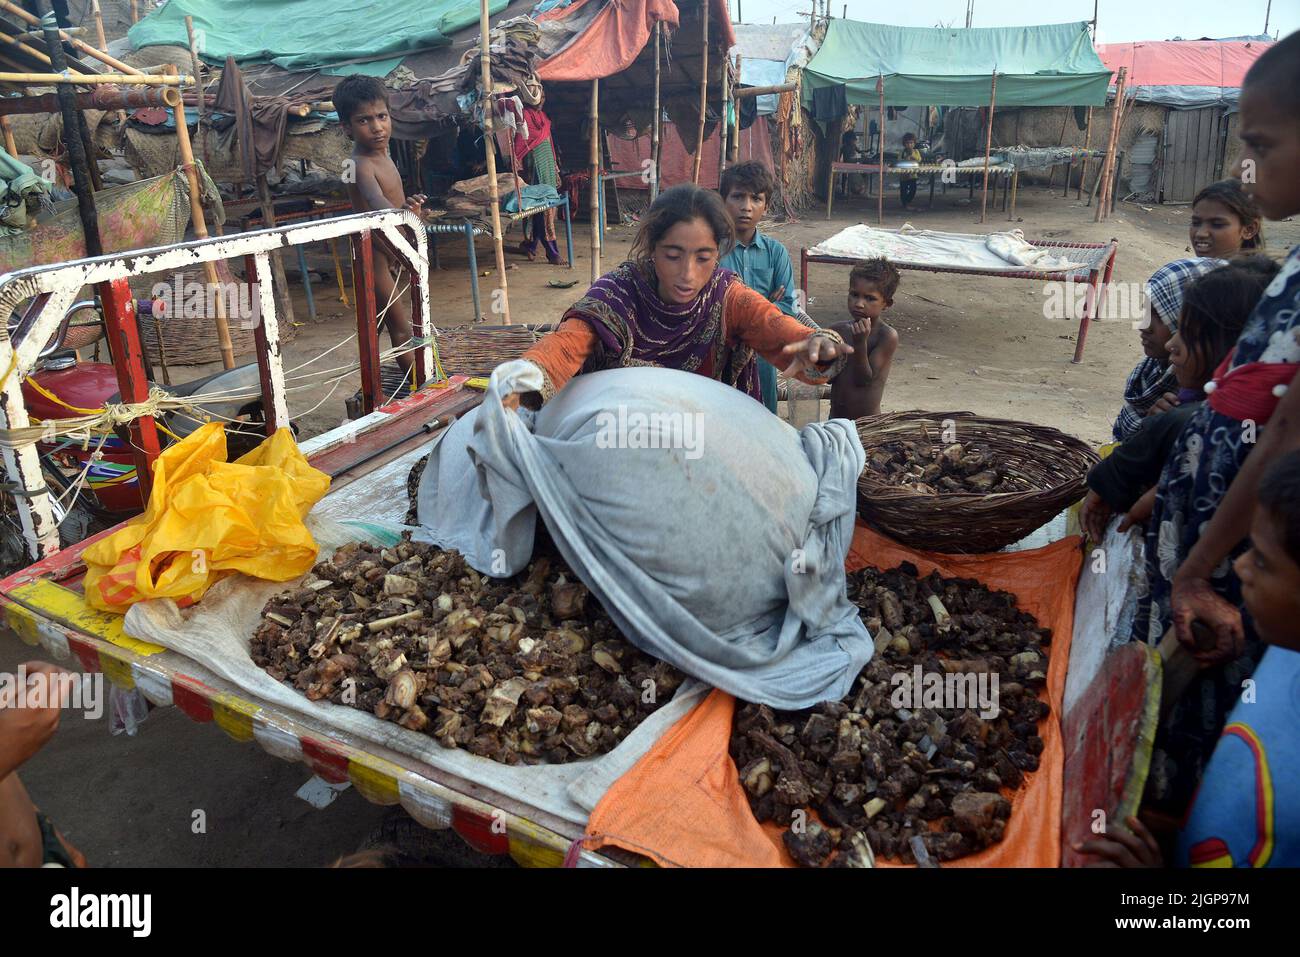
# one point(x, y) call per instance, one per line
point(51, 289)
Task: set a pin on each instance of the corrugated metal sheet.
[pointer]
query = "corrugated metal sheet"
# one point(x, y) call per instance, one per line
point(1142, 159)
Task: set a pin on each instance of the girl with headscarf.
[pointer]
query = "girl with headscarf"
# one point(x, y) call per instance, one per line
point(1151, 379)
point(673, 306)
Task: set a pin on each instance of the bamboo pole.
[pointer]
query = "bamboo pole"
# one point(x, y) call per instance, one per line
point(724, 134)
point(880, 150)
point(198, 79)
point(656, 126)
point(704, 90)
point(593, 165)
point(90, 79)
point(200, 223)
point(988, 145)
point(7, 128)
point(101, 54)
point(100, 40)
point(135, 12)
point(733, 138)
point(32, 52)
point(1087, 145)
point(745, 92)
point(490, 147)
point(1109, 162)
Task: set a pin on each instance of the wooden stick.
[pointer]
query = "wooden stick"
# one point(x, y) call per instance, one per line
point(1109, 162)
point(101, 55)
point(988, 145)
point(10, 147)
point(100, 40)
point(135, 12)
point(200, 223)
point(30, 51)
point(880, 150)
point(490, 149)
point(656, 126)
point(1115, 173)
point(284, 301)
point(80, 79)
point(1087, 145)
point(593, 166)
point(745, 92)
point(704, 90)
point(198, 73)
point(733, 138)
point(725, 132)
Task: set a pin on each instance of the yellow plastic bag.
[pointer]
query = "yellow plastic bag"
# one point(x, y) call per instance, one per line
point(208, 518)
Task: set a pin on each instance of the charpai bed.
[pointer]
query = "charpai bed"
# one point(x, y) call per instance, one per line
point(1007, 255)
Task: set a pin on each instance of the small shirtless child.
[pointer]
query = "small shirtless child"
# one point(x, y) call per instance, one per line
point(362, 105)
point(857, 390)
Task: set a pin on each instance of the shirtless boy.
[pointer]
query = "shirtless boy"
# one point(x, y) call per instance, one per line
point(362, 105)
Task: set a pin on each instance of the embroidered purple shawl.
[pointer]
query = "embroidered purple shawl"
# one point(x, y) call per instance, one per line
point(637, 328)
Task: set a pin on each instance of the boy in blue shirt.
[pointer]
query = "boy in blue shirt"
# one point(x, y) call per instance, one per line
point(1246, 812)
point(761, 262)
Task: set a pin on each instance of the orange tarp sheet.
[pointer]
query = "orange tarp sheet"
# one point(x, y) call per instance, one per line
point(682, 803)
point(617, 35)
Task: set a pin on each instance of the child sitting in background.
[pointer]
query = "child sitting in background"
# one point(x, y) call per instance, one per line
point(761, 262)
point(1152, 378)
point(907, 181)
point(1215, 309)
point(1247, 808)
point(858, 389)
point(1225, 221)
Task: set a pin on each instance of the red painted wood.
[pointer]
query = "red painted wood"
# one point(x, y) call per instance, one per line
point(86, 653)
point(363, 289)
point(192, 697)
point(326, 761)
point(477, 830)
point(132, 376)
point(263, 360)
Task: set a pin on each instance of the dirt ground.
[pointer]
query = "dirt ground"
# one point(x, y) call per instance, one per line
point(967, 343)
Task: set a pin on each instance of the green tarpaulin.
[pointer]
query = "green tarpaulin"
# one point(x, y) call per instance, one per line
point(1051, 65)
point(308, 34)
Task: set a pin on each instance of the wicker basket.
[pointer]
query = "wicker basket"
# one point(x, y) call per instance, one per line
point(193, 340)
point(477, 350)
point(1055, 464)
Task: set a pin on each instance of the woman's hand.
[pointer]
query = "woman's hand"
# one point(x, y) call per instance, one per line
point(1141, 511)
point(1135, 847)
point(814, 350)
point(1163, 404)
point(1194, 599)
point(1095, 515)
point(24, 731)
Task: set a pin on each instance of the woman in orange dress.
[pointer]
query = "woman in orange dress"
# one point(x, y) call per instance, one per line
point(673, 306)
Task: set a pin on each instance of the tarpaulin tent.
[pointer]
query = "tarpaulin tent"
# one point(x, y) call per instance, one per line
point(1050, 65)
point(297, 34)
point(1184, 74)
point(767, 52)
